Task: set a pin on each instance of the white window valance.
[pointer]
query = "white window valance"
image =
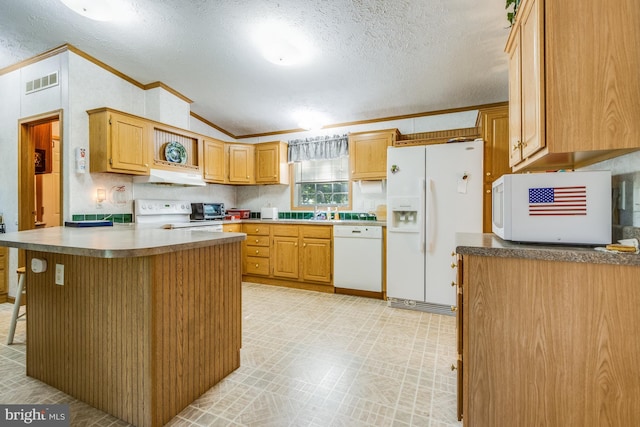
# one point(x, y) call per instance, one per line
point(318, 148)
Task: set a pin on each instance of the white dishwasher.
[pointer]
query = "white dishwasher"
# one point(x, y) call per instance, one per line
point(357, 257)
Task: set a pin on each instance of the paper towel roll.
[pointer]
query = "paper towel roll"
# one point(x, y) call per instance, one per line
point(370, 187)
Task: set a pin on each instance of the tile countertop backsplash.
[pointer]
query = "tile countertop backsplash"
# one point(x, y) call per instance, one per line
point(128, 218)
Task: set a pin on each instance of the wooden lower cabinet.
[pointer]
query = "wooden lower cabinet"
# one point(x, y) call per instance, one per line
point(285, 257)
point(549, 343)
point(300, 256)
point(232, 228)
point(315, 260)
point(256, 250)
point(4, 281)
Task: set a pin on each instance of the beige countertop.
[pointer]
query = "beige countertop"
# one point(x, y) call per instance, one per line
point(491, 245)
point(119, 241)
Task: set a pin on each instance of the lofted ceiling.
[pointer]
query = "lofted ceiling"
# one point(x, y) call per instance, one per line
point(368, 59)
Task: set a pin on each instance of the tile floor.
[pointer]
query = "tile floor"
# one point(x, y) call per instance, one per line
point(308, 359)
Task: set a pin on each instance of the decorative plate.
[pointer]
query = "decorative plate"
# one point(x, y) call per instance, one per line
point(175, 152)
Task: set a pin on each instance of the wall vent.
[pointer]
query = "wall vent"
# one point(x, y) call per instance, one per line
point(42, 83)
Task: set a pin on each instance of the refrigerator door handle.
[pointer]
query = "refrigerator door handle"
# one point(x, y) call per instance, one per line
point(429, 216)
point(422, 220)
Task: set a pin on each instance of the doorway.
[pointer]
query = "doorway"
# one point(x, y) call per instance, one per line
point(39, 173)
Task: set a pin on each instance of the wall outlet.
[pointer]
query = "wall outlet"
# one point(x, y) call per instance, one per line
point(60, 274)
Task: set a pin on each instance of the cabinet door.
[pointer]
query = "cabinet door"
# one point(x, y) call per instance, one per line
point(495, 133)
point(316, 260)
point(368, 154)
point(241, 164)
point(4, 261)
point(532, 75)
point(515, 97)
point(267, 163)
point(271, 163)
point(129, 146)
point(285, 257)
point(459, 334)
point(214, 161)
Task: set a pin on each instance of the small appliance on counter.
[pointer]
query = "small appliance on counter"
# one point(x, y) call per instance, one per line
point(269, 213)
point(238, 213)
point(555, 207)
point(207, 211)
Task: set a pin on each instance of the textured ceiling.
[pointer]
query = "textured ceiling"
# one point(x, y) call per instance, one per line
point(370, 58)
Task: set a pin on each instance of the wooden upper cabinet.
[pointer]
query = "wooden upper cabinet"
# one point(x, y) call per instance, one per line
point(368, 153)
point(271, 163)
point(531, 78)
point(118, 142)
point(494, 128)
point(214, 160)
point(577, 74)
point(515, 92)
point(241, 163)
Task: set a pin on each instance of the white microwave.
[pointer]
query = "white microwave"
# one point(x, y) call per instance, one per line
point(557, 207)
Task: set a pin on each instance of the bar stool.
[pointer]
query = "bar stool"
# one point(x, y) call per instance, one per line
point(22, 273)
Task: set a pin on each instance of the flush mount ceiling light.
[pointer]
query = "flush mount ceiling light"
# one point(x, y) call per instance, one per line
point(98, 10)
point(282, 45)
point(311, 120)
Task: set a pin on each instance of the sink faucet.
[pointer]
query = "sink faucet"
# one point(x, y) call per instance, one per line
point(317, 214)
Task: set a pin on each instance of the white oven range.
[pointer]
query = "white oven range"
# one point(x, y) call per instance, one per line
point(170, 214)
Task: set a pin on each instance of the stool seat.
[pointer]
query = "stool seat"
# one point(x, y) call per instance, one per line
point(22, 273)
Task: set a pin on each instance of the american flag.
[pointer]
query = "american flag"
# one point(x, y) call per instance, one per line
point(558, 201)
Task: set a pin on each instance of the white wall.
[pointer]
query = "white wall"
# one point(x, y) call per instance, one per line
point(624, 168)
point(279, 195)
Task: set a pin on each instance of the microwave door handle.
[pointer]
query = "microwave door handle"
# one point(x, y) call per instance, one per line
point(423, 210)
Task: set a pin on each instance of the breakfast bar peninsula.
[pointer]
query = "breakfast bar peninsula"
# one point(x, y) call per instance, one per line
point(138, 322)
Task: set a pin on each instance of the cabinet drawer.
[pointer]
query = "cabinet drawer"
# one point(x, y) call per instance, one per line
point(317, 231)
point(285, 230)
point(255, 265)
point(234, 228)
point(257, 240)
point(259, 229)
point(257, 251)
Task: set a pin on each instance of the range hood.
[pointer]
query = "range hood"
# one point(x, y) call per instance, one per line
point(160, 176)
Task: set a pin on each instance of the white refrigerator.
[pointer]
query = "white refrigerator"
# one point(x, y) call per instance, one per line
point(433, 192)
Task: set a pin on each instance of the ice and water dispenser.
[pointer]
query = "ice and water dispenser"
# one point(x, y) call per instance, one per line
point(405, 214)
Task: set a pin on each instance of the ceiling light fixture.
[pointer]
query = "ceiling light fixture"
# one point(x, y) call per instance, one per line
point(98, 10)
point(311, 120)
point(281, 45)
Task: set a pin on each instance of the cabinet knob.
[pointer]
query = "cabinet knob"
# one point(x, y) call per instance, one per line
point(454, 308)
point(257, 229)
point(488, 173)
point(256, 265)
point(453, 367)
point(517, 145)
point(453, 254)
point(488, 191)
point(452, 283)
point(257, 251)
point(257, 240)
point(146, 165)
point(454, 265)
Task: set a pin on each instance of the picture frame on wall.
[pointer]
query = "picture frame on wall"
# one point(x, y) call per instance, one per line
point(40, 161)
